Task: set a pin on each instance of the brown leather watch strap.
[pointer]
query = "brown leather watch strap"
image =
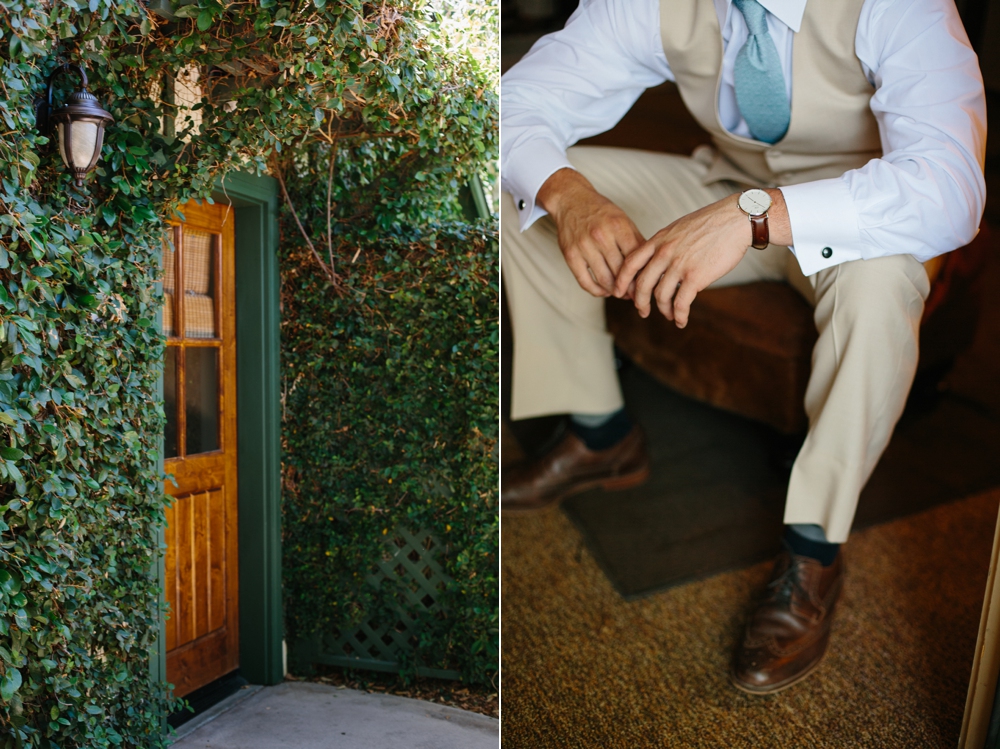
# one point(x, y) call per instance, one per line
point(761, 234)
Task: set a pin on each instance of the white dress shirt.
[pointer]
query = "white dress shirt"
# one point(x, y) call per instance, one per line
point(924, 197)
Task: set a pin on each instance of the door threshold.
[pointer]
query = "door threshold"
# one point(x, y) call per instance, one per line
point(205, 698)
point(197, 721)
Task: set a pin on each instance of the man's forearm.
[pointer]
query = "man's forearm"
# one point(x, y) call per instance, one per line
point(566, 185)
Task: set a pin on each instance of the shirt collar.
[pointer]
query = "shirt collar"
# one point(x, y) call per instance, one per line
point(789, 12)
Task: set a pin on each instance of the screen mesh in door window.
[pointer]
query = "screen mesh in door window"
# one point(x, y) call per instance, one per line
point(199, 284)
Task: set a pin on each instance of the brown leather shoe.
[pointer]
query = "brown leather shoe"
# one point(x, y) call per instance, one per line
point(787, 634)
point(571, 467)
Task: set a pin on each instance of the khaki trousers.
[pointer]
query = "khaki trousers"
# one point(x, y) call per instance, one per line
point(867, 314)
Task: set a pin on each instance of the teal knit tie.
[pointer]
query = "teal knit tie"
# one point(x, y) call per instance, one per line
point(760, 85)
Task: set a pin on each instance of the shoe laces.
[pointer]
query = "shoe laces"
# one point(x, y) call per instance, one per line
point(787, 583)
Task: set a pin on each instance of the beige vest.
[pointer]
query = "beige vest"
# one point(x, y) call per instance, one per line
point(832, 128)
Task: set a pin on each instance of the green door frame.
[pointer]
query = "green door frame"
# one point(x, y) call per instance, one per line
point(255, 203)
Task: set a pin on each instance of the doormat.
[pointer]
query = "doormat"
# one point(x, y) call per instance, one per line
point(715, 498)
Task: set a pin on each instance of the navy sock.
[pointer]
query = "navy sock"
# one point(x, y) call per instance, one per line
point(822, 551)
point(607, 434)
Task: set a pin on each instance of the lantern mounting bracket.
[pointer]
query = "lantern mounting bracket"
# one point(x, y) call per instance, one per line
point(43, 104)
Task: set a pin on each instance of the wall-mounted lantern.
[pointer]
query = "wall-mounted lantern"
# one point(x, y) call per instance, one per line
point(80, 124)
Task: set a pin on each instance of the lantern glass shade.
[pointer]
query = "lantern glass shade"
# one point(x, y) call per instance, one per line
point(80, 144)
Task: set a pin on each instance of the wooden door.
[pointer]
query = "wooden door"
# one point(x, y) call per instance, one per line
point(199, 378)
point(980, 701)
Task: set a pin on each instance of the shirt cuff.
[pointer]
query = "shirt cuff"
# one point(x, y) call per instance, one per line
point(534, 162)
point(824, 224)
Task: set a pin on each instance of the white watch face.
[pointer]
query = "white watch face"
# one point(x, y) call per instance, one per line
point(755, 202)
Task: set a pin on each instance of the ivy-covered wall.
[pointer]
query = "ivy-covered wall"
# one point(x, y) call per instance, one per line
point(390, 409)
point(388, 106)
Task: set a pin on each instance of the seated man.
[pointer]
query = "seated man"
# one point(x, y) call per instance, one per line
point(849, 140)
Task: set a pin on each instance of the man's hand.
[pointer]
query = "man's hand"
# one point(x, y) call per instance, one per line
point(595, 235)
point(692, 253)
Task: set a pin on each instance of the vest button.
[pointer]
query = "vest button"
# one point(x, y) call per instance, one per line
point(520, 205)
point(827, 252)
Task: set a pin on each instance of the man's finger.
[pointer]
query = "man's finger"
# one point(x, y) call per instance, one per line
point(582, 273)
point(664, 293)
point(638, 240)
point(613, 257)
point(627, 239)
point(649, 280)
point(634, 263)
point(600, 240)
point(682, 302)
point(604, 276)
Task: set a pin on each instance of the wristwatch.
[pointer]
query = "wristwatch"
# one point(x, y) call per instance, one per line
point(755, 204)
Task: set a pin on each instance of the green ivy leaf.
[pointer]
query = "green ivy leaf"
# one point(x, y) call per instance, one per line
point(205, 20)
point(10, 683)
point(9, 583)
point(11, 453)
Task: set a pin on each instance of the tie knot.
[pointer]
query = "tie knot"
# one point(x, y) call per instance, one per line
point(754, 14)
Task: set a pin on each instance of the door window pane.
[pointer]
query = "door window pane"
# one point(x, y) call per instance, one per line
point(201, 385)
point(170, 403)
point(199, 284)
point(169, 283)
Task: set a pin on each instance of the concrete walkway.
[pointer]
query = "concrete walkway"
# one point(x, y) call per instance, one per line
point(304, 715)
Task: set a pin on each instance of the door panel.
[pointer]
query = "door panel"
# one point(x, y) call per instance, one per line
point(200, 449)
point(197, 528)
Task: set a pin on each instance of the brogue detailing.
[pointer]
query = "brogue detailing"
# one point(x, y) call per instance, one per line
point(770, 644)
point(787, 635)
